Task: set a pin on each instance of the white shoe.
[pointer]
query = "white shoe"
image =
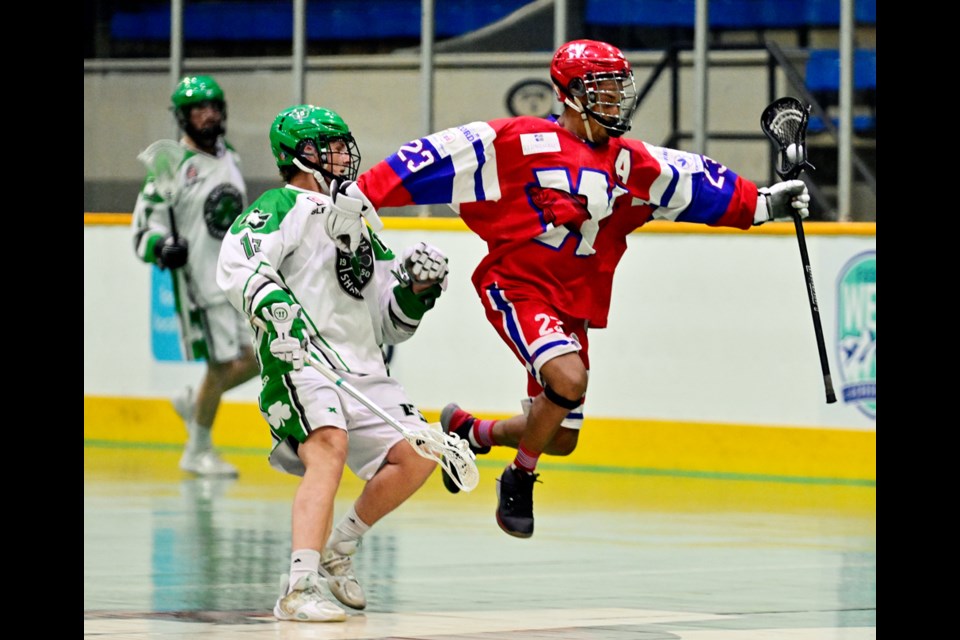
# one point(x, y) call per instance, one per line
point(336, 565)
point(305, 602)
point(184, 403)
point(206, 463)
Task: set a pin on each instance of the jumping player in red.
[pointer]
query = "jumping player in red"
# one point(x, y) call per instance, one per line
point(555, 200)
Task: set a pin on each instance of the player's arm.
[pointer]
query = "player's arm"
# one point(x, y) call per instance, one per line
point(255, 246)
point(247, 271)
point(453, 166)
point(149, 223)
point(410, 287)
point(688, 187)
point(153, 241)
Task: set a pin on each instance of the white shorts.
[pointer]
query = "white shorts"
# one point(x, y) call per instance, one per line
point(315, 402)
point(216, 334)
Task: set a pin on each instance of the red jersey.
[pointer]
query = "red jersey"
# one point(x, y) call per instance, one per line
point(555, 210)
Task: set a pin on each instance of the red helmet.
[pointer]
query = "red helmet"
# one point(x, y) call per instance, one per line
point(577, 69)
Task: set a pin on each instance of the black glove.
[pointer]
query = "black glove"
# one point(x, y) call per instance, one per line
point(170, 252)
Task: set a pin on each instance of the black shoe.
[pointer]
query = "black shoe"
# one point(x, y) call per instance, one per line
point(515, 502)
point(462, 430)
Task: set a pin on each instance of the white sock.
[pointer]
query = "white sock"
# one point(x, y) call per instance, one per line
point(346, 536)
point(199, 437)
point(302, 562)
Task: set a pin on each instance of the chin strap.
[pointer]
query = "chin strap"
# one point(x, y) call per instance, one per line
point(574, 103)
point(319, 177)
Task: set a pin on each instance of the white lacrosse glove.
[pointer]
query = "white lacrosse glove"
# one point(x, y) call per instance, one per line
point(780, 201)
point(426, 264)
point(344, 223)
point(287, 333)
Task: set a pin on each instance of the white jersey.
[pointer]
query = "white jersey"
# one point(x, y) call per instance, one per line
point(352, 306)
point(210, 193)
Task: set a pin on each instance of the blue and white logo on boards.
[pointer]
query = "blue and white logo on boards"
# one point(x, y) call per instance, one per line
point(164, 327)
point(857, 331)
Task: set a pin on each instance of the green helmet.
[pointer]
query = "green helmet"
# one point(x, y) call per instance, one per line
point(194, 89)
point(297, 129)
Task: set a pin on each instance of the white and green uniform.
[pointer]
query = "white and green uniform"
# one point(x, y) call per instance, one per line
point(279, 251)
point(210, 193)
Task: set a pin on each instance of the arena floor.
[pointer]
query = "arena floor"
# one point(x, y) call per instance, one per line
point(615, 556)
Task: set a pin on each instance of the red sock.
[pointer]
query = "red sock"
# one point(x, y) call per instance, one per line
point(482, 433)
point(526, 459)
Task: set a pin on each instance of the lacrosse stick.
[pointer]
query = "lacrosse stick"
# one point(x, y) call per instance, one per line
point(447, 449)
point(162, 158)
point(784, 121)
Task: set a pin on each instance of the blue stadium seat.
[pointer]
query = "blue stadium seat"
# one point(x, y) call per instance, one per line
point(331, 20)
point(823, 81)
point(726, 14)
point(826, 13)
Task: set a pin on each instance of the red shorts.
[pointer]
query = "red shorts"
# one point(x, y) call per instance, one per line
point(534, 331)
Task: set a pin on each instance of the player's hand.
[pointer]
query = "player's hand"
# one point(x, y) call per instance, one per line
point(287, 333)
point(426, 265)
point(783, 200)
point(170, 252)
point(345, 221)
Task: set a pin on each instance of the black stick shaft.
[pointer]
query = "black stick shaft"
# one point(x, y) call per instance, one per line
point(173, 224)
point(814, 309)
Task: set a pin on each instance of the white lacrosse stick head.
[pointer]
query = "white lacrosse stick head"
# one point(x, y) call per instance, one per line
point(162, 159)
point(452, 453)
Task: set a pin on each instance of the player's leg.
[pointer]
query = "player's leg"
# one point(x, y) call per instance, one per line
point(557, 402)
point(314, 440)
point(245, 366)
point(224, 342)
point(549, 346)
point(392, 469)
point(536, 336)
point(230, 358)
point(564, 379)
point(194, 405)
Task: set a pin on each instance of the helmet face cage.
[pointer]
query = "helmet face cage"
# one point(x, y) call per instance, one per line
point(611, 98)
point(339, 156)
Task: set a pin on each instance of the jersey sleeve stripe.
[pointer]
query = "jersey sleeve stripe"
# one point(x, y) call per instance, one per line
point(487, 181)
point(711, 202)
point(430, 184)
point(258, 287)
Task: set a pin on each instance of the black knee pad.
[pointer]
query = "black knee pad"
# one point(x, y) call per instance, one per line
point(560, 401)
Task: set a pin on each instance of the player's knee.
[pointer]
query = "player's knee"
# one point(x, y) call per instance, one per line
point(564, 442)
point(415, 467)
point(570, 384)
point(570, 404)
point(326, 444)
point(219, 372)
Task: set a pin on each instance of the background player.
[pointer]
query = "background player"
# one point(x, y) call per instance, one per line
point(210, 192)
